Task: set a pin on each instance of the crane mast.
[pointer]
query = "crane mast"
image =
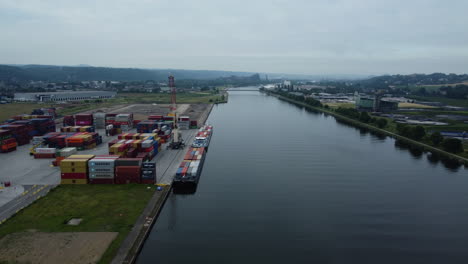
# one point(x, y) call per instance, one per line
point(176, 140)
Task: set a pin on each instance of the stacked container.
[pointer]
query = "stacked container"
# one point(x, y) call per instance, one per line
point(189, 170)
point(99, 120)
point(102, 169)
point(125, 121)
point(84, 120)
point(63, 154)
point(184, 122)
point(68, 120)
point(84, 140)
point(128, 171)
point(156, 117)
point(194, 154)
point(19, 132)
point(78, 129)
point(45, 153)
point(74, 169)
point(57, 139)
point(193, 124)
point(133, 145)
point(148, 173)
point(147, 126)
point(7, 142)
point(41, 126)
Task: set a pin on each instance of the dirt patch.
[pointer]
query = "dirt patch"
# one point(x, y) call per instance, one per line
point(413, 105)
point(39, 247)
point(198, 112)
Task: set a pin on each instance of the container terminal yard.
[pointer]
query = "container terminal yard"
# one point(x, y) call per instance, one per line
point(28, 171)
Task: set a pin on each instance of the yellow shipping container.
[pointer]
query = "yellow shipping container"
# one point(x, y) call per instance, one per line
point(91, 146)
point(136, 143)
point(73, 181)
point(73, 169)
point(136, 136)
point(115, 147)
point(83, 156)
point(66, 164)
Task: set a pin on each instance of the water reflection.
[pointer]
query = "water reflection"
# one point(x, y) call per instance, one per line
point(189, 189)
point(415, 152)
point(451, 164)
point(433, 158)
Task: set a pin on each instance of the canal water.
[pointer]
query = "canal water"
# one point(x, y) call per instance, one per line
point(282, 184)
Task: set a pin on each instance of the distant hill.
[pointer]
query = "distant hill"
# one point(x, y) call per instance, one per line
point(86, 73)
point(83, 72)
point(418, 79)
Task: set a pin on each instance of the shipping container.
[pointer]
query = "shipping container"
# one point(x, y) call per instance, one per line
point(73, 181)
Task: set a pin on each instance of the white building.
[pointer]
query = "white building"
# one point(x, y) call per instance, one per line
point(64, 96)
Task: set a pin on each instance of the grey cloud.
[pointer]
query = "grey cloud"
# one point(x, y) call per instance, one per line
point(312, 37)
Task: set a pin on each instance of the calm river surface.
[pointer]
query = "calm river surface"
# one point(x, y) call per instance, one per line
point(285, 185)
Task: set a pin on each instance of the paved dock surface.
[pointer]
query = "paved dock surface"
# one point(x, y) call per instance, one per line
point(30, 194)
point(24, 172)
point(167, 163)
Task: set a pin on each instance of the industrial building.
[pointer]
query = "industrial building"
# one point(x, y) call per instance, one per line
point(374, 104)
point(63, 96)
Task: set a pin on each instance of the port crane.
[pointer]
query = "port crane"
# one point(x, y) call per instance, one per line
point(177, 141)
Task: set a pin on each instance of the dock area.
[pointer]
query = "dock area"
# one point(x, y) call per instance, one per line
point(167, 164)
point(33, 178)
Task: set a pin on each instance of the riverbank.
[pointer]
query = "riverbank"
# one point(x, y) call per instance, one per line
point(357, 123)
point(133, 243)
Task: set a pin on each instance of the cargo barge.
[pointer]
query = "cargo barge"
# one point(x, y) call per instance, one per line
point(189, 171)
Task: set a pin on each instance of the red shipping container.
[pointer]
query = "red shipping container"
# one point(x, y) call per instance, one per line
point(127, 169)
point(113, 142)
point(101, 181)
point(147, 149)
point(44, 155)
point(148, 181)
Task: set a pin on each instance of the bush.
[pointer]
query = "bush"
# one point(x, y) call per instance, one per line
point(418, 132)
point(436, 138)
point(381, 122)
point(452, 145)
point(349, 112)
point(364, 117)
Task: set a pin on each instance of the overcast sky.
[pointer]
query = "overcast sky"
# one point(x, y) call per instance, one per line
point(290, 36)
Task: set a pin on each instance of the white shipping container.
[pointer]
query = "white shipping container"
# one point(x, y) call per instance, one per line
point(65, 152)
point(147, 143)
point(46, 150)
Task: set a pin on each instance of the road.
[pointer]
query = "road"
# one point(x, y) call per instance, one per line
point(31, 193)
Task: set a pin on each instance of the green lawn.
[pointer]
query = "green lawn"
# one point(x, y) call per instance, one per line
point(103, 208)
point(9, 110)
point(344, 105)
